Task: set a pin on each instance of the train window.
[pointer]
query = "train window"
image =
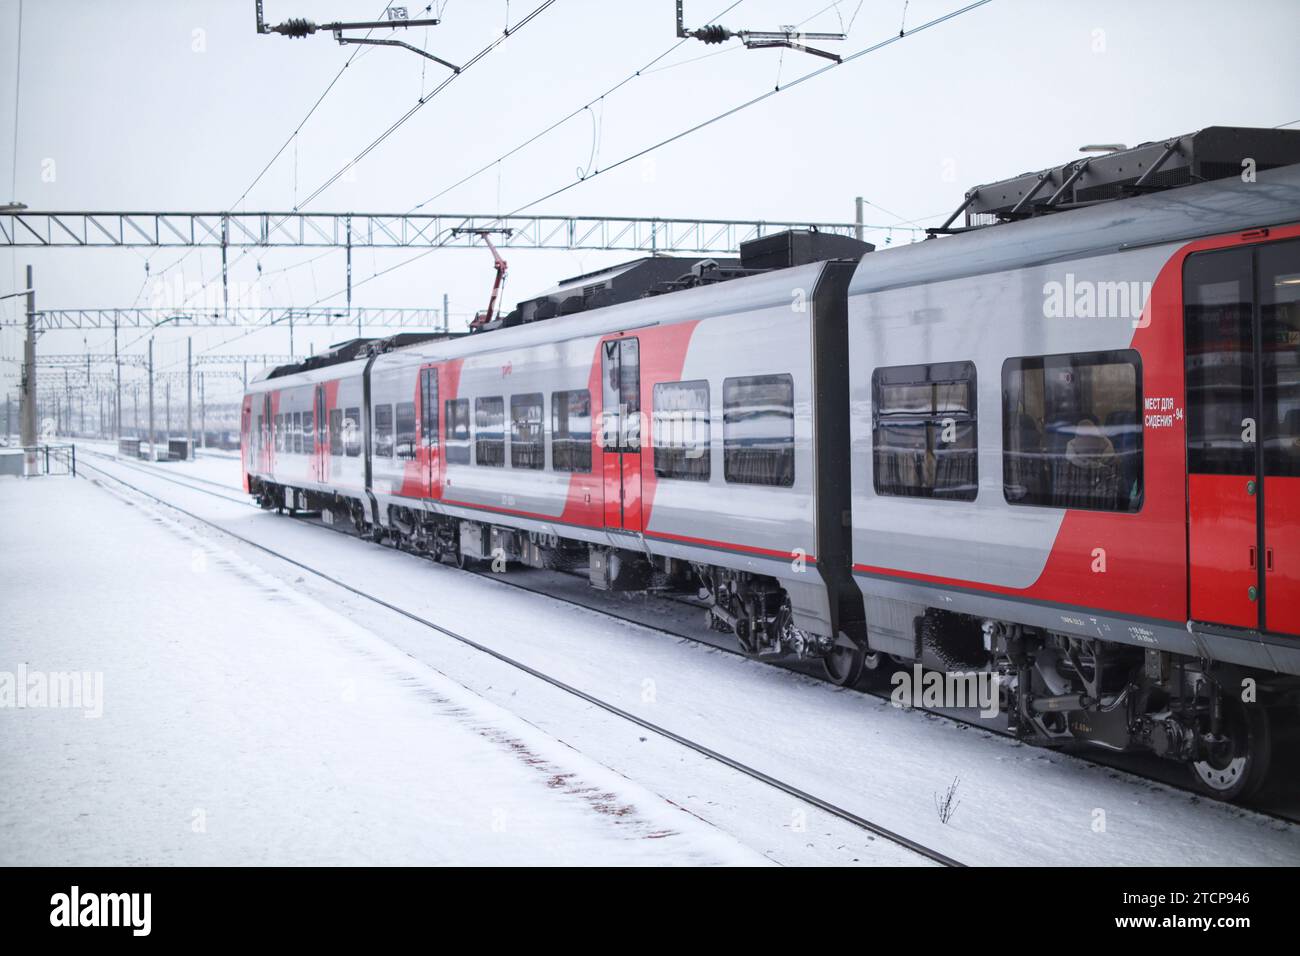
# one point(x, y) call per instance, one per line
point(758, 430)
point(296, 433)
point(456, 411)
point(489, 431)
point(278, 425)
point(308, 444)
point(1072, 431)
point(381, 445)
point(526, 446)
point(621, 396)
point(1279, 312)
point(352, 432)
point(924, 431)
point(429, 406)
point(405, 412)
point(680, 429)
point(336, 432)
point(571, 431)
point(1218, 306)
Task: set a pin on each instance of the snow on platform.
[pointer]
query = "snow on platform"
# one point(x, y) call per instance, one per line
point(1018, 804)
point(245, 723)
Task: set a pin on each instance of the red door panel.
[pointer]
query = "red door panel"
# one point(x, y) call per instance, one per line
point(1282, 554)
point(1222, 538)
point(631, 492)
point(613, 468)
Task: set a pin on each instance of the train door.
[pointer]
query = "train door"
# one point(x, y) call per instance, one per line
point(319, 449)
point(1242, 325)
point(430, 432)
point(264, 435)
point(621, 432)
point(246, 450)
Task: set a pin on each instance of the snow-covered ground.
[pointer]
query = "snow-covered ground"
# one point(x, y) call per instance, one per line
point(1017, 804)
point(236, 721)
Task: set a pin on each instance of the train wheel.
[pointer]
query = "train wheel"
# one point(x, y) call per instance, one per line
point(1236, 768)
point(843, 663)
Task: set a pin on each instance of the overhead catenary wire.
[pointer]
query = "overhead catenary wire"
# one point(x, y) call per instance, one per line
point(936, 21)
point(420, 103)
point(290, 139)
point(752, 102)
point(303, 122)
point(692, 129)
point(497, 161)
point(564, 119)
point(508, 32)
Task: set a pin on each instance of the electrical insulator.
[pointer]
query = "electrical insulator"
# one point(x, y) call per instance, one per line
point(295, 27)
point(713, 34)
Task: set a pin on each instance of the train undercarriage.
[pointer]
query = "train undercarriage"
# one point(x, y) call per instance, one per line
point(1059, 690)
point(1053, 690)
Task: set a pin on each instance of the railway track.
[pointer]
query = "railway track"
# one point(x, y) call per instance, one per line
point(1126, 764)
point(785, 787)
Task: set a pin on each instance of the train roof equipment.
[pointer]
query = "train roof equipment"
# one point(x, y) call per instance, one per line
point(351, 350)
point(1216, 152)
point(658, 275)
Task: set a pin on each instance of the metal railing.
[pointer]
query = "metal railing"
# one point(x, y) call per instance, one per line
point(30, 461)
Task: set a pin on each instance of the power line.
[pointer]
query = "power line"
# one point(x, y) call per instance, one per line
point(731, 112)
point(564, 119)
point(680, 135)
point(506, 34)
point(303, 122)
point(553, 126)
point(271, 162)
point(753, 101)
point(544, 132)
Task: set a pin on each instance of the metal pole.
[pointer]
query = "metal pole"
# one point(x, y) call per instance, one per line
point(245, 374)
point(189, 397)
point(225, 289)
point(290, 338)
point(858, 219)
point(152, 433)
point(28, 411)
point(349, 278)
point(167, 405)
point(203, 414)
point(446, 319)
point(117, 405)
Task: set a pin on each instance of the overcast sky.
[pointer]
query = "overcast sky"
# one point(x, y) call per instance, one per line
point(178, 104)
